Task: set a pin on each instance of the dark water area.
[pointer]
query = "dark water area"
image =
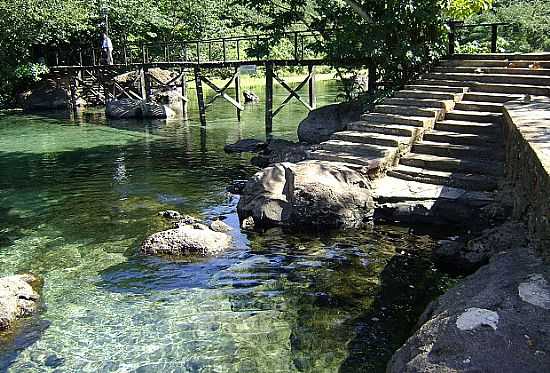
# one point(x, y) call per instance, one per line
point(77, 198)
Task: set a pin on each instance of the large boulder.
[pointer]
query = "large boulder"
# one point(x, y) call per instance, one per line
point(497, 321)
point(321, 123)
point(195, 239)
point(125, 108)
point(312, 194)
point(164, 104)
point(18, 298)
point(47, 97)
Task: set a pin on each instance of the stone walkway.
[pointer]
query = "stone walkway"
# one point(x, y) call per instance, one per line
point(440, 139)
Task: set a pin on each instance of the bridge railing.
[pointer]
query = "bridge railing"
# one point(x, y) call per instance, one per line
point(294, 45)
point(459, 31)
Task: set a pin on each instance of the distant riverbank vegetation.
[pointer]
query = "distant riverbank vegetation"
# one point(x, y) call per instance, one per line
point(401, 37)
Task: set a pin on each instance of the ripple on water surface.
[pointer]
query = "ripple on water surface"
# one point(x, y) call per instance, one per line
point(77, 200)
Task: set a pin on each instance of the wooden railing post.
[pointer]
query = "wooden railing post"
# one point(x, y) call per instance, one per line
point(223, 50)
point(452, 37)
point(296, 46)
point(494, 38)
point(373, 77)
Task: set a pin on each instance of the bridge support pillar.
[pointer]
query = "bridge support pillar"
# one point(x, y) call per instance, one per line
point(311, 86)
point(268, 98)
point(184, 101)
point(200, 96)
point(238, 91)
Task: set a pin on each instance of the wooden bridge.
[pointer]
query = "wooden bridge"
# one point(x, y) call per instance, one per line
point(193, 62)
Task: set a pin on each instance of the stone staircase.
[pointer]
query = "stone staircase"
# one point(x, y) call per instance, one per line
point(440, 138)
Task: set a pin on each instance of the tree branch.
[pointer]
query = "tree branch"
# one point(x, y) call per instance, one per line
point(359, 10)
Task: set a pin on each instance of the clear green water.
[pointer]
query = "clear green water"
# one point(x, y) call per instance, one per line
point(78, 198)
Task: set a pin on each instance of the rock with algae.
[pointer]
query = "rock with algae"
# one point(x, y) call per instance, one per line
point(18, 298)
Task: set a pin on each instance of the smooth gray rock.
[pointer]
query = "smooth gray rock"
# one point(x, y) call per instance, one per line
point(469, 256)
point(196, 239)
point(313, 194)
point(321, 123)
point(18, 299)
point(279, 150)
point(220, 226)
point(164, 104)
point(245, 145)
point(496, 321)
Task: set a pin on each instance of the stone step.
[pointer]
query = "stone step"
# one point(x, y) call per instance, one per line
point(490, 97)
point(357, 148)
point(446, 105)
point(491, 87)
point(532, 80)
point(493, 70)
point(450, 179)
point(435, 88)
point(469, 127)
point(458, 150)
point(479, 106)
point(409, 111)
point(372, 163)
point(474, 116)
point(474, 63)
point(372, 138)
point(409, 120)
point(449, 164)
point(431, 95)
point(503, 56)
point(386, 128)
point(460, 138)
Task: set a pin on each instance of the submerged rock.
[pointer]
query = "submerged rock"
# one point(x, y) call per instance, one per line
point(196, 239)
point(245, 145)
point(170, 214)
point(307, 194)
point(496, 320)
point(468, 256)
point(18, 298)
point(321, 123)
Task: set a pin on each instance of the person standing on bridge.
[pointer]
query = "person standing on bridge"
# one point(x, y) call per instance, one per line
point(107, 49)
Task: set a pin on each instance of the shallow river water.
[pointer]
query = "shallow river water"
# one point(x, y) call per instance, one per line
point(78, 197)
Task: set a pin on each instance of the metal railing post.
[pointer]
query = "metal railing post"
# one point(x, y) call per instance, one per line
point(494, 38)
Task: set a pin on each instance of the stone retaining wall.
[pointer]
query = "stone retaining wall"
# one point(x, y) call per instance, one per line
point(527, 133)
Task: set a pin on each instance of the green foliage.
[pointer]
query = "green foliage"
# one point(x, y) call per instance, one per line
point(32, 72)
point(529, 25)
point(462, 9)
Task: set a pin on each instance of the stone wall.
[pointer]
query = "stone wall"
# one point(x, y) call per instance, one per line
point(527, 133)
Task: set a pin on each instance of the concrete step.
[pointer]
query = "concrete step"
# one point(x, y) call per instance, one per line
point(490, 97)
point(409, 111)
point(357, 148)
point(493, 70)
point(449, 164)
point(450, 179)
point(476, 128)
point(386, 128)
point(372, 138)
point(474, 116)
point(532, 80)
point(460, 138)
point(436, 88)
point(430, 95)
point(491, 87)
point(479, 106)
point(372, 163)
point(458, 150)
point(446, 105)
point(409, 120)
